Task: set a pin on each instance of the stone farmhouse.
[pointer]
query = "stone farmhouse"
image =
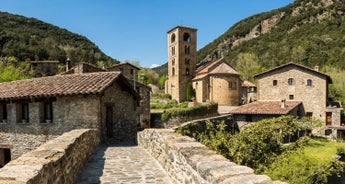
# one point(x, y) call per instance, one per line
point(289, 85)
point(39, 109)
point(214, 81)
point(131, 73)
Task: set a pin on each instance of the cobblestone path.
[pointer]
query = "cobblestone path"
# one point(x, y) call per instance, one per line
point(121, 164)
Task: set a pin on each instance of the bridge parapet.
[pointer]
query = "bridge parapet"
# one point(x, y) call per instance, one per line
point(188, 161)
point(57, 161)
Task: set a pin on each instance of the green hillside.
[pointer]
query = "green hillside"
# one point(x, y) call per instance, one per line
point(308, 32)
point(29, 39)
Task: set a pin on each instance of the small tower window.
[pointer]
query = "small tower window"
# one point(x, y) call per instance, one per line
point(187, 49)
point(173, 71)
point(173, 38)
point(291, 81)
point(186, 37)
point(187, 61)
point(187, 71)
point(173, 61)
point(309, 82)
point(172, 50)
point(275, 82)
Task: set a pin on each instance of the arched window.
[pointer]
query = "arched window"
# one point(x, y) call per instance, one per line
point(186, 37)
point(173, 71)
point(291, 81)
point(172, 50)
point(309, 82)
point(173, 61)
point(173, 38)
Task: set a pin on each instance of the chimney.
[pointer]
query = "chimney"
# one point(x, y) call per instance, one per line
point(283, 105)
point(316, 68)
point(68, 62)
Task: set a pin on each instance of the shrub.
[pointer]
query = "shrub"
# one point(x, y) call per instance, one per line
point(192, 111)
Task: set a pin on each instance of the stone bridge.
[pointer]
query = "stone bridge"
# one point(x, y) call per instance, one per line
point(160, 156)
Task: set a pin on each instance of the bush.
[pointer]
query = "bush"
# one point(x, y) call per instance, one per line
point(193, 111)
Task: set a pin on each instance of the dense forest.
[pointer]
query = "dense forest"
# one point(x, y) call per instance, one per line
point(28, 39)
point(308, 32)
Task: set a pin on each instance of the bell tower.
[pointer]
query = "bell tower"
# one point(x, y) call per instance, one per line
point(182, 58)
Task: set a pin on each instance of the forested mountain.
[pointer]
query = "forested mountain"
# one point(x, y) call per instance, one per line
point(29, 39)
point(308, 32)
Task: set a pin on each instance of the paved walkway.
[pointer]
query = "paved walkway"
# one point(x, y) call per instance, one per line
point(121, 164)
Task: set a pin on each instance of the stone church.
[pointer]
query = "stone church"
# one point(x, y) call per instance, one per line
point(214, 81)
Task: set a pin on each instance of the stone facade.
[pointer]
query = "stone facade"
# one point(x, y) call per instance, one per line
point(111, 110)
point(188, 161)
point(57, 161)
point(296, 82)
point(182, 59)
point(128, 70)
point(218, 82)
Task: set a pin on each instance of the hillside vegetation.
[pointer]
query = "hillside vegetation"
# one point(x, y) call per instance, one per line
point(308, 32)
point(29, 39)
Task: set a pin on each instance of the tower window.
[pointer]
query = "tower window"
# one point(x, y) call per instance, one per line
point(173, 37)
point(291, 81)
point(275, 82)
point(187, 49)
point(172, 50)
point(173, 61)
point(187, 61)
point(309, 82)
point(186, 37)
point(187, 71)
point(173, 71)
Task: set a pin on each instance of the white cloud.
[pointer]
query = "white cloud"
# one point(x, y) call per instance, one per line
point(154, 65)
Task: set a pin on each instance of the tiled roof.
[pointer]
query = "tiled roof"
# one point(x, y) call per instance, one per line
point(216, 67)
point(121, 64)
point(248, 84)
point(267, 107)
point(224, 68)
point(296, 65)
point(59, 85)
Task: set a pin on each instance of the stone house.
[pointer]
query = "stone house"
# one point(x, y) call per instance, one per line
point(33, 111)
point(44, 68)
point(293, 82)
point(218, 82)
point(256, 111)
point(130, 72)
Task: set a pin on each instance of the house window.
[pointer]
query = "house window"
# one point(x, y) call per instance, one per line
point(291, 97)
point(249, 118)
point(48, 112)
point(291, 81)
point(275, 82)
point(3, 111)
point(232, 85)
point(328, 118)
point(309, 116)
point(309, 82)
point(25, 112)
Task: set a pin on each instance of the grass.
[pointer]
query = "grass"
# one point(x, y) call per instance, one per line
point(322, 149)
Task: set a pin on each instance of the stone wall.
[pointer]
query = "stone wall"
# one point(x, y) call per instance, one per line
point(314, 97)
point(58, 161)
point(188, 161)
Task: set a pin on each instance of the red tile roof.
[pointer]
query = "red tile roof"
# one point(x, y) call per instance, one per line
point(248, 84)
point(59, 85)
point(267, 107)
point(216, 67)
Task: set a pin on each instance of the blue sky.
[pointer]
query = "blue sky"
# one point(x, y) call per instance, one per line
point(136, 30)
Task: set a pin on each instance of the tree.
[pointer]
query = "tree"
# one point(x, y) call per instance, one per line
point(162, 80)
point(248, 65)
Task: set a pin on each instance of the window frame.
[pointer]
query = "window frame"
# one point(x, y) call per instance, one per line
point(291, 81)
point(48, 114)
point(309, 82)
